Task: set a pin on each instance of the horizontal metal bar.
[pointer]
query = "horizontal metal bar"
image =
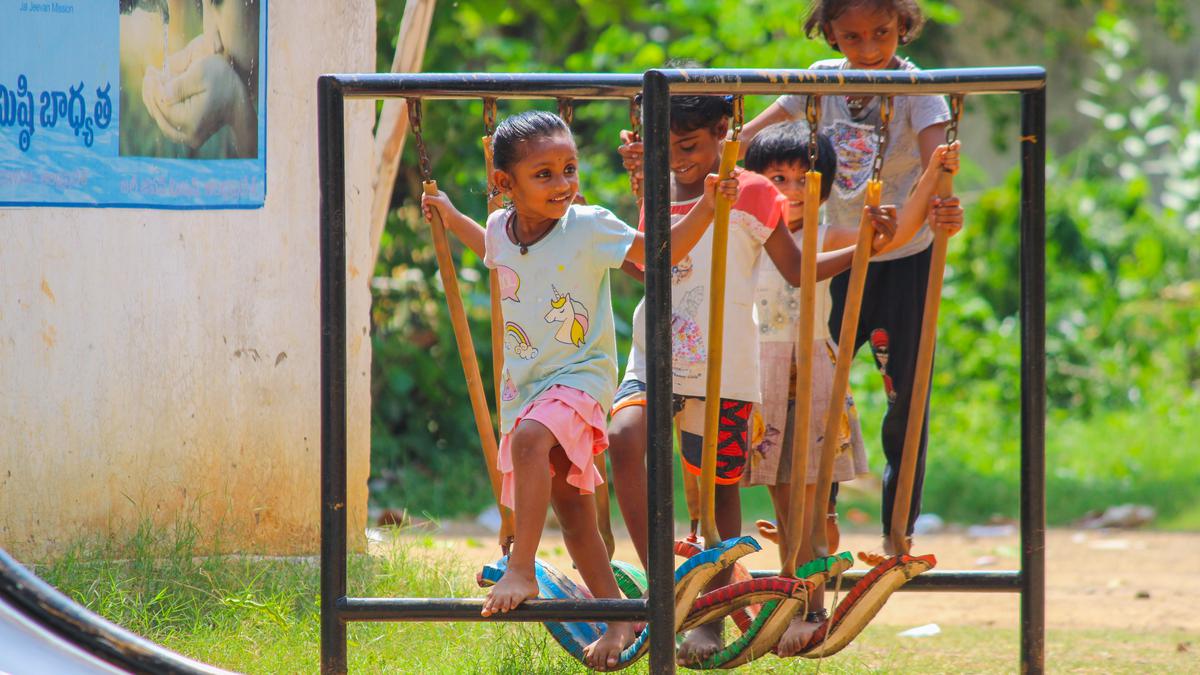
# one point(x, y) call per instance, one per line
point(492, 85)
point(752, 81)
point(468, 609)
point(748, 81)
point(945, 581)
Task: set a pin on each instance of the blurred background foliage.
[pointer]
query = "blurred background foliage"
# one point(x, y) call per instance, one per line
point(1123, 226)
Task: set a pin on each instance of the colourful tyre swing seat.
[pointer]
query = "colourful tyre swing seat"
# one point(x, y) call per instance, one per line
point(690, 579)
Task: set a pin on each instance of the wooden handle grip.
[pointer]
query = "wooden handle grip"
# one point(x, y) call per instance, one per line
point(716, 325)
point(466, 347)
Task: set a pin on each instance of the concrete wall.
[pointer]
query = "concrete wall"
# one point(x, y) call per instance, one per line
point(165, 364)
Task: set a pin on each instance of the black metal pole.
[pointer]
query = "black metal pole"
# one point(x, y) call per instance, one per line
point(656, 97)
point(332, 158)
point(468, 609)
point(1033, 381)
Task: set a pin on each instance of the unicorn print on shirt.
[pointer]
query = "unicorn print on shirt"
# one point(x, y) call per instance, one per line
point(574, 318)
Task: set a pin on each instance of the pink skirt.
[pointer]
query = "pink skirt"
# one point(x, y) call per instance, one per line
point(577, 422)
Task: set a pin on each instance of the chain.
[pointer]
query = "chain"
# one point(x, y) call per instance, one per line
point(489, 130)
point(414, 121)
point(812, 112)
point(489, 117)
point(956, 108)
point(881, 136)
point(566, 110)
point(739, 115)
point(635, 117)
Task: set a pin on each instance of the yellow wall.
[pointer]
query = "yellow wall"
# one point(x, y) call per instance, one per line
point(165, 364)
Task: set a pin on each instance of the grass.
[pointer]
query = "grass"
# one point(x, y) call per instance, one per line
point(261, 616)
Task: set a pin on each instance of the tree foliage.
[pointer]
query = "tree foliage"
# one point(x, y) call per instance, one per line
point(1123, 300)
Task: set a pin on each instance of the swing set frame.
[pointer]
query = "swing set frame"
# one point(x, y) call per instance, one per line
point(338, 608)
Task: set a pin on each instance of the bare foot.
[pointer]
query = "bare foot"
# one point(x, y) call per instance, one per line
point(605, 653)
point(798, 634)
point(768, 530)
point(512, 589)
point(700, 643)
point(877, 556)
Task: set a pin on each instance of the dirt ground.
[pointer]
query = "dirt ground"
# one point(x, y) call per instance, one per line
point(1132, 580)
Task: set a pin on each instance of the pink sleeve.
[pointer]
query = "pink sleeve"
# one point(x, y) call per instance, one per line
point(759, 199)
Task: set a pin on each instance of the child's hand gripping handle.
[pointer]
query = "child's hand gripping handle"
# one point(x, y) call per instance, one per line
point(841, 373)
point(466, 353)
point(716, 323)
point(898, 529)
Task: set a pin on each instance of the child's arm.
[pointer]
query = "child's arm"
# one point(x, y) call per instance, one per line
point(470, 232)
point(915, 209)
point(785, 252)
point(688, 230)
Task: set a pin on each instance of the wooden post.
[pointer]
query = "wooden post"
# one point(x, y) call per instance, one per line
point(507, 525)
point(716, 334)
point(393, 120)
point(466, 349)
point(793, 527)
point(841, 373)
point(924, 372)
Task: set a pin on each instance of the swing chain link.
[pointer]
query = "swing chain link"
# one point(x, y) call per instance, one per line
point(566, 110)
point(739, 115)
point(489, 117)
point(635, 117)
point(881, 136)
point(956, 108)
point(414, 121)
point(812, 112)
point(489, 130)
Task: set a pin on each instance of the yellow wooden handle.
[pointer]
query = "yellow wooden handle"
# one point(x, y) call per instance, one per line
point(507, 527)
point(921, 378)
point(716, 324)
point(466, 347)
point(793, 535)
point(841, 373)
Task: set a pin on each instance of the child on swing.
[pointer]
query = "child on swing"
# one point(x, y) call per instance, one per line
point(780, 153)
point(560, 364)
point(867, 33)
point(698, 128)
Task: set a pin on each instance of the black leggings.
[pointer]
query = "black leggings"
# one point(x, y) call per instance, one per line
point(892, 306)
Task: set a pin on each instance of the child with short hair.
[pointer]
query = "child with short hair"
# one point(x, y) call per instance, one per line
point(698, 128)
point(868, 33)
point(560, 366)
point(780, 153)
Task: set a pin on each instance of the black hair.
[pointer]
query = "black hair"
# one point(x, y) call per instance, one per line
point(787, 143)
point(689, 113)
point(822, 12)
point(515, 131)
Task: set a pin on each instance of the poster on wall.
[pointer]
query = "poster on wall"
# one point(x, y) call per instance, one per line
point(138, 103)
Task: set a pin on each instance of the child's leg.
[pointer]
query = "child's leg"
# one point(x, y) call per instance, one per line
point(800, 631)
point(900, 338)
point(531, 444)
point(577, 514)
point(627, 452)
point(732, 450)
point(781, 500)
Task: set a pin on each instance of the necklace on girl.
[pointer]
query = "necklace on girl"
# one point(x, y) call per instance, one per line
point(512, 231)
